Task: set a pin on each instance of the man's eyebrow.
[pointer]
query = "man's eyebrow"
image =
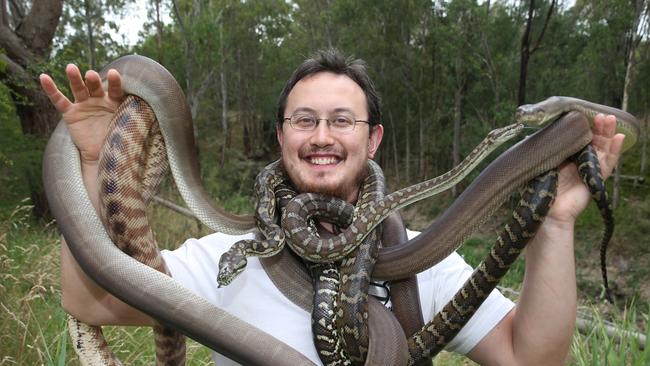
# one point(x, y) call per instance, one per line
point(342, 110)
point(313, 111)
point(305, 110)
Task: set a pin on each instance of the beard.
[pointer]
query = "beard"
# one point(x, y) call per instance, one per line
point(342, 191)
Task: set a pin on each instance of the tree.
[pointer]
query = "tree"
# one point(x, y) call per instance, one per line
point(26, 40)
point(528, 48)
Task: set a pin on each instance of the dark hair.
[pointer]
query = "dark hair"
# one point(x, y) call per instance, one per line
point(332, 60)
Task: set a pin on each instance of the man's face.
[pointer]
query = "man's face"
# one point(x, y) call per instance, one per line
point(322, 160)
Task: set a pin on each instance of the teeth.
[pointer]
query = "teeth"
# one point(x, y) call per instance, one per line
point(323, 160)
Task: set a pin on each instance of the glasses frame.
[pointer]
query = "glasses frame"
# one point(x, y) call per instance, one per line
point(329, 124)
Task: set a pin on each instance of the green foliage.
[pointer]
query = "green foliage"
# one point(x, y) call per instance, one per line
point(20, 156)
point(597, 347)
point(421, 54)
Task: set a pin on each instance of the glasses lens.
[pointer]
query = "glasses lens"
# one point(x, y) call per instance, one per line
point(304, 122)
point(342, 123)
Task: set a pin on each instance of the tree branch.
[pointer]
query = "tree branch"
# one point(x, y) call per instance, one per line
point(15, 71)
point(38, 27)
point(17, 12)
point(4, 15)
point(14, 47)
point(546, 21)
point(181, 25)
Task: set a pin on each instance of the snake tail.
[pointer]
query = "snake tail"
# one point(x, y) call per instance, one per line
point(589, 170)
point(90, 345)
point(526, 219)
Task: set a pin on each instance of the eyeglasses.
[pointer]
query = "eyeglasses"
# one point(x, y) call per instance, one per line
point(309, 122)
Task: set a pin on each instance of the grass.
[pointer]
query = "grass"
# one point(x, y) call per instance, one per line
point(33, 325)
point(33, 330)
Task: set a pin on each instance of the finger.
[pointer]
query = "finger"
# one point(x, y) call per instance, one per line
point(94, 84)
point(609, 126)
point(115, 91)
point(617, 144)
point(77, 85)
point(604, 130)
point(60, 102)
point(609, 159)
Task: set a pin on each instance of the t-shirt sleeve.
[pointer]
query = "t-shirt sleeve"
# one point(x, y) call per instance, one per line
point(440, 283)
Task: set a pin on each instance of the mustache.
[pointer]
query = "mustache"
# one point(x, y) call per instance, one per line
point(330, 150)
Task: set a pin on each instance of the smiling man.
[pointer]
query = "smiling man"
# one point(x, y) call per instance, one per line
point(328, 126)
point(326, 136)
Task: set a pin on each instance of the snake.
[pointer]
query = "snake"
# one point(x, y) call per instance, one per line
point(490, 174)
point(426, 342)
point(139, 285)
point(123, 205)
point(164, 299)
point(314, 249)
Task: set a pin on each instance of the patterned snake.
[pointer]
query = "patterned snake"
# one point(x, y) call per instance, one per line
point(163, 299)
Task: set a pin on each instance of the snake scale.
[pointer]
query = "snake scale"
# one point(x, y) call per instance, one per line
point(150, 291)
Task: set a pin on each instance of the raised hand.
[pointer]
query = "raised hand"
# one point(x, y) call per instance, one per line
point(88, 117)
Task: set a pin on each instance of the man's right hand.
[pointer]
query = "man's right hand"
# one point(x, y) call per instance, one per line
point(89, 116)
point(88, 120)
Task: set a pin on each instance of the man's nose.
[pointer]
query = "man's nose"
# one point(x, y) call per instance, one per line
point(322, 135)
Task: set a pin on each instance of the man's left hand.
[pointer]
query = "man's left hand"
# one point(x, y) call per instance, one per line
point(572, 194)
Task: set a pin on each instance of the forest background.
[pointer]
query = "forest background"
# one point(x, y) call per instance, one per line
point(448, 72)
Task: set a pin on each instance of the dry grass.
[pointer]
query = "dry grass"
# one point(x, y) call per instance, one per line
point(33, 331)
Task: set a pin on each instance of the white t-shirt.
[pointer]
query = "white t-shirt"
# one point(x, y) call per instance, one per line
point(255, 299)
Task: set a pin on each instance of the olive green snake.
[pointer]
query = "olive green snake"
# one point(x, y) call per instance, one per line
point(164, 299)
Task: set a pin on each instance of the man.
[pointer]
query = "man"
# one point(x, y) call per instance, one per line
point(323, 157)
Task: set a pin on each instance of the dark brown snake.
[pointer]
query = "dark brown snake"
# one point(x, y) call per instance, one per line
point(151, 292)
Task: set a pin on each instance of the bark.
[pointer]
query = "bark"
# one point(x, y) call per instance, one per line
point(4, 15)
point(224, 88)
point(528, 48)
point(631, 60)
point(91, 39)
point(29, 45)
point(26, 39)
point(159, 32)
point(458, 97)
point(407, 153)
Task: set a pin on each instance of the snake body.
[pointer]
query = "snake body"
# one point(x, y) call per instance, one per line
point(156, 295)
point(314, 249)
point(135, 149)
point(137, 284)
point(535, 201)
point(571, 121)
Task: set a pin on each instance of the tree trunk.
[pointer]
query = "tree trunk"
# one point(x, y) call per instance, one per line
point(524, 55)
point(455, 154)
point(527, 48)
point(159, 32)
point(634, 42)
point(224, 89)
point(89, 30)
point(407, 154)
point(25, 45)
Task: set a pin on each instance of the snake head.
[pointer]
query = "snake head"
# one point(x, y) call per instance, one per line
point(531, 114)
point(229, 268)
point(503, 134)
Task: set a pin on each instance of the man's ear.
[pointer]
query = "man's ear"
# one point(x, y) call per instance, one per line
point(278, 133)
point(376, 134)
